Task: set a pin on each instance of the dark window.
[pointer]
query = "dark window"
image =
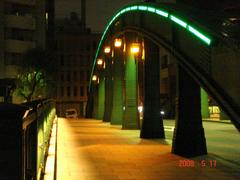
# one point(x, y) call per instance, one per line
point(68, 76)
point(88, 74)
point(75, 76)
point(68, 91)
point(62, 76)
point(19, 34)
point(62, 60)
point(87, 89)
point(82, 61)
point(94, 45)
point(62, 91)
point(82, 78)
point(12, 58)
point(88, 47)
point(75, 91)
point(81, 91)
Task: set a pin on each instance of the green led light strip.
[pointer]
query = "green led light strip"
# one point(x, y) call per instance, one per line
point(159, 12)
point(199, 34)
point(178, 21)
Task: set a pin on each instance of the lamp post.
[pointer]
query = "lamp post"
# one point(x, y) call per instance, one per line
point(118, 43)
point(107, 49)
point(135, 48)
point(94, 78)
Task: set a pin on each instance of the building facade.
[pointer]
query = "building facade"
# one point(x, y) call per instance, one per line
point(25, 24)
point(76, 47)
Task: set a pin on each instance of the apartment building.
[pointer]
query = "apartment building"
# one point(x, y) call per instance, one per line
point(24, 24)
point(76, 48)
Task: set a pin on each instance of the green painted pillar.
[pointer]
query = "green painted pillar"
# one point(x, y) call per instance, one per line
point(117, 108)
point(204, 104)
point(108, 88)
point(130, 117)
point(188, 138)
point(101, 97)
point(152, 126)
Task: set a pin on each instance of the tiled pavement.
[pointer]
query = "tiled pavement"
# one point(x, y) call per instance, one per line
point(93, 150)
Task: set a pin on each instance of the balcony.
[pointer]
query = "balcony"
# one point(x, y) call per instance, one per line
point(23, 2)
point(17, 46)
point(21, 22)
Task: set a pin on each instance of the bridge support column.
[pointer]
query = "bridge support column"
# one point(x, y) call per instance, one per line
point(95, 101)
point(188, 138)
point(152, 126)
point(101, 97)
point(117, 108)
point(108, 89)
point(130, 117)
point(89, 106)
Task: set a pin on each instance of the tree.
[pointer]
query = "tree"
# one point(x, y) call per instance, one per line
point(35, 75)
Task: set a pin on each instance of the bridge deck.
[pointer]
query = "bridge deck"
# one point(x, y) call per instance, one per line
point(91, 149)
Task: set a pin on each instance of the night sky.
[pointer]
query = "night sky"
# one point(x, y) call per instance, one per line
point(98, 12)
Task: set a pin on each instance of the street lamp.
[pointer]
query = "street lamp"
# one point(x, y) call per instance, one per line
point(118, 42)
point(107, 49)
point(135, 48)
point(94, 78)
point(100, 62)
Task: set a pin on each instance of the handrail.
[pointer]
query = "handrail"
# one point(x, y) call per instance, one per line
point(36, 127)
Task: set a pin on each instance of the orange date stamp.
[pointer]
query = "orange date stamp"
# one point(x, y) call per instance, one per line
point(188, 163)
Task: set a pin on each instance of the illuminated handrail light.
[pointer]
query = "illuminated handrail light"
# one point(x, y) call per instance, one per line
point(178, 21)
point(135, 48)
point(107, 49)
point(94, 78)
point(118, 42)
point(100, 62)
point(199, 35)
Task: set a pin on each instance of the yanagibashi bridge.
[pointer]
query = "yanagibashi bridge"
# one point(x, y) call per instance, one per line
point(130, 61)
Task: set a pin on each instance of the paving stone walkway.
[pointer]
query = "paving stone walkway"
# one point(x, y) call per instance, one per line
point(92, 150)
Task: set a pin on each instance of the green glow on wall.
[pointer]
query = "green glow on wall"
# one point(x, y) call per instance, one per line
point(178, 21)
point(199, 35)
point(158, 12)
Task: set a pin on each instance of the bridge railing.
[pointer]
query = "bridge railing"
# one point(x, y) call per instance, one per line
point(25, 132)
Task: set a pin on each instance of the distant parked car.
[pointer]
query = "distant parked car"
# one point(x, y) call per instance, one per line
point(71, 113)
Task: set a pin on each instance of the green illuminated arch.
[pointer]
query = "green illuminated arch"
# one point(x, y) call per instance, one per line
point(159, 12)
